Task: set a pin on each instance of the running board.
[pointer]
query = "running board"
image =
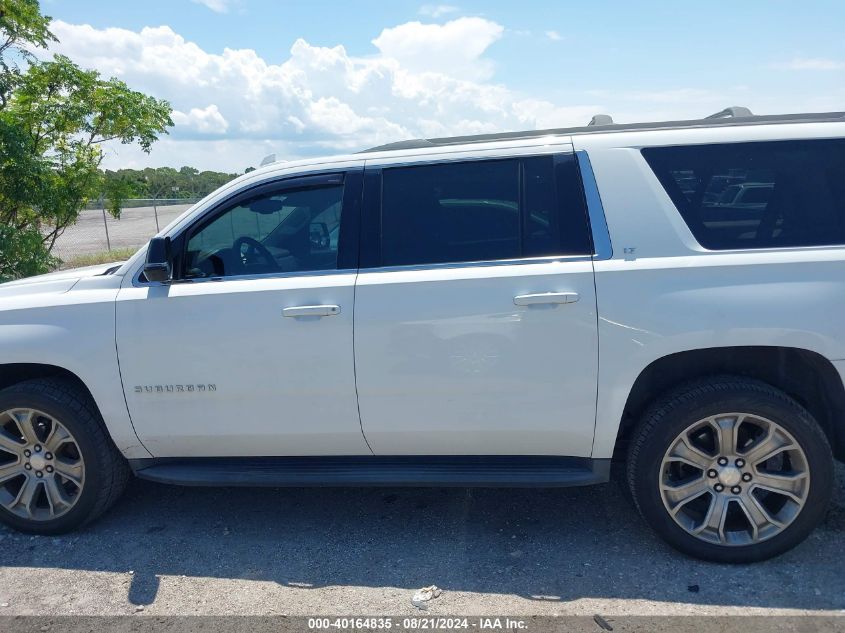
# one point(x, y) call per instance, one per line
point(446, 470)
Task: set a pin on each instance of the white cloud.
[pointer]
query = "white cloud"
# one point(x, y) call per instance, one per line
point(455, 48)
point(437, 10)
point(233, 107)
point(204, 120)
point(218, 6)
point(811, 63)
point(554, 36)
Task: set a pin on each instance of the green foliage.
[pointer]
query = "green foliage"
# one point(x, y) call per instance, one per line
point(21, 25)
point(115, 191)
point(22, 253)
point(65, 113)
point(53, 118)
point(163, 182)
point(21, 22)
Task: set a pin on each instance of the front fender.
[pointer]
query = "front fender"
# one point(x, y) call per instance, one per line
point(75, 331)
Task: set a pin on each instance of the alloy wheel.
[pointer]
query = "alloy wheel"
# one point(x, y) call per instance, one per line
point(41, 467)
point(734, 479)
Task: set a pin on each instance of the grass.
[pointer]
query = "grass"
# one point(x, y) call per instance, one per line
point(104, 257)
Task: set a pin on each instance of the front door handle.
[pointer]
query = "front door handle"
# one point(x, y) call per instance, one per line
point(311, 311)
point(545, 298)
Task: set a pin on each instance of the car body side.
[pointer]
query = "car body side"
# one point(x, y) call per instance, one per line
point(658, 292)
point(662, 293)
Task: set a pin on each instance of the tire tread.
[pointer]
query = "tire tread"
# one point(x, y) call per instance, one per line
point(116, 473)
point(692, 392)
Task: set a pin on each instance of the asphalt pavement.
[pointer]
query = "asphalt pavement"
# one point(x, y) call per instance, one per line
point(303, 551)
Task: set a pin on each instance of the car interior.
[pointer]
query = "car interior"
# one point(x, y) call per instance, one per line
point(753, 197)
point(277, 233)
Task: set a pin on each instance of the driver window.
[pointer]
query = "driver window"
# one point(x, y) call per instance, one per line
point(281, 232)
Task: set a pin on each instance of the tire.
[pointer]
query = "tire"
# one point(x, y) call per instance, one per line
point(688, 421)
point(104, 471)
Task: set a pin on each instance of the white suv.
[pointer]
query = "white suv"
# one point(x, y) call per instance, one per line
point(506, 310)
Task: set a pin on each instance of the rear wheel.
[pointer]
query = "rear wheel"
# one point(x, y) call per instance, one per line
point(58, 467)
point(730, 470)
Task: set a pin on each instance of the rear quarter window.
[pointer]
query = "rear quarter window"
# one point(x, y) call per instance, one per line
point(757, 195)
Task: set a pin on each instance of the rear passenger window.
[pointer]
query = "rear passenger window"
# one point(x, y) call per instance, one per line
point(482, 211)
point(757, 195)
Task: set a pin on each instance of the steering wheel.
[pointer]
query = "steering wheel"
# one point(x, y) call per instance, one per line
point(256, 247)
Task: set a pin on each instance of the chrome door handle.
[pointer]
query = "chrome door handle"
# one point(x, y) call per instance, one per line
point(545, 298)
point(311, 311)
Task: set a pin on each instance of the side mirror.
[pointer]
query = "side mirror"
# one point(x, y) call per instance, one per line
point(159, 264)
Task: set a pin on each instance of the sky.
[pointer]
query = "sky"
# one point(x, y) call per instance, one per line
point(247, 78)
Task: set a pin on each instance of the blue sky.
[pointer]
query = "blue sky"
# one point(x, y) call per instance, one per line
point(248, 77)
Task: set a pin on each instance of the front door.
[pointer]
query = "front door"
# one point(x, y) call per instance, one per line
point(249, 351)
point(475, 324)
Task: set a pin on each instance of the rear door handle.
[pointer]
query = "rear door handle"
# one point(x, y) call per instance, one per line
point(545, 297)
point(311, 311)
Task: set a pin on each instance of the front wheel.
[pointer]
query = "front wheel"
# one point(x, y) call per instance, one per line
point(58, 466)
point(730, 470)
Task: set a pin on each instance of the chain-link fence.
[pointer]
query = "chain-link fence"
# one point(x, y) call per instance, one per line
point(97, 234)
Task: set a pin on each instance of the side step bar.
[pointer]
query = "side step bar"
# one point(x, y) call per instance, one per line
point(446, 470)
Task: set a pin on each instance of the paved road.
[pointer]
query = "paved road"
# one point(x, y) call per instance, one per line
point(134, 228)
point(364, 551)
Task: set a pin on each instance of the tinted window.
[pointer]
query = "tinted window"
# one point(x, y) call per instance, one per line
point(482, 211)
point(287, 231)
point(540, 207)
point(757, 195)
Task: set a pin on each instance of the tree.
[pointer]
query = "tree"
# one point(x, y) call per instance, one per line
point(160, 183)
point(54, 117)
point(21, 23)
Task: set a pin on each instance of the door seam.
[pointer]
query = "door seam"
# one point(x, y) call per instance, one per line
point(120, 373)
point(355, 363)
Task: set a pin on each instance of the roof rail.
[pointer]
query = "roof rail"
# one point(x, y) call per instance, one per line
point(731, 112)
point(728, 117)
point(414, 143)
point(601, 119)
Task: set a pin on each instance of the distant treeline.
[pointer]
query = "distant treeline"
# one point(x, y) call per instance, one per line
point(162, 182)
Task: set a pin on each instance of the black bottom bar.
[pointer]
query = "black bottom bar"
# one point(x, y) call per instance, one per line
point(440, 470)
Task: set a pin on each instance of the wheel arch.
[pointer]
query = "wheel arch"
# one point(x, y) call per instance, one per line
point(14, 373)
point(96, 468)
point(808, 377)
point(122, 433)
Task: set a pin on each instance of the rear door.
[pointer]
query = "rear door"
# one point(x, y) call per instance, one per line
point(475, 317)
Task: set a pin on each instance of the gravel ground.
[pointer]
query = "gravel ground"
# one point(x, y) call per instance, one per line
point(170, 550)
point(134, 228)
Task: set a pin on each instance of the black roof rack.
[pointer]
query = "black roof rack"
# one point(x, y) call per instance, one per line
point(602, 123)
